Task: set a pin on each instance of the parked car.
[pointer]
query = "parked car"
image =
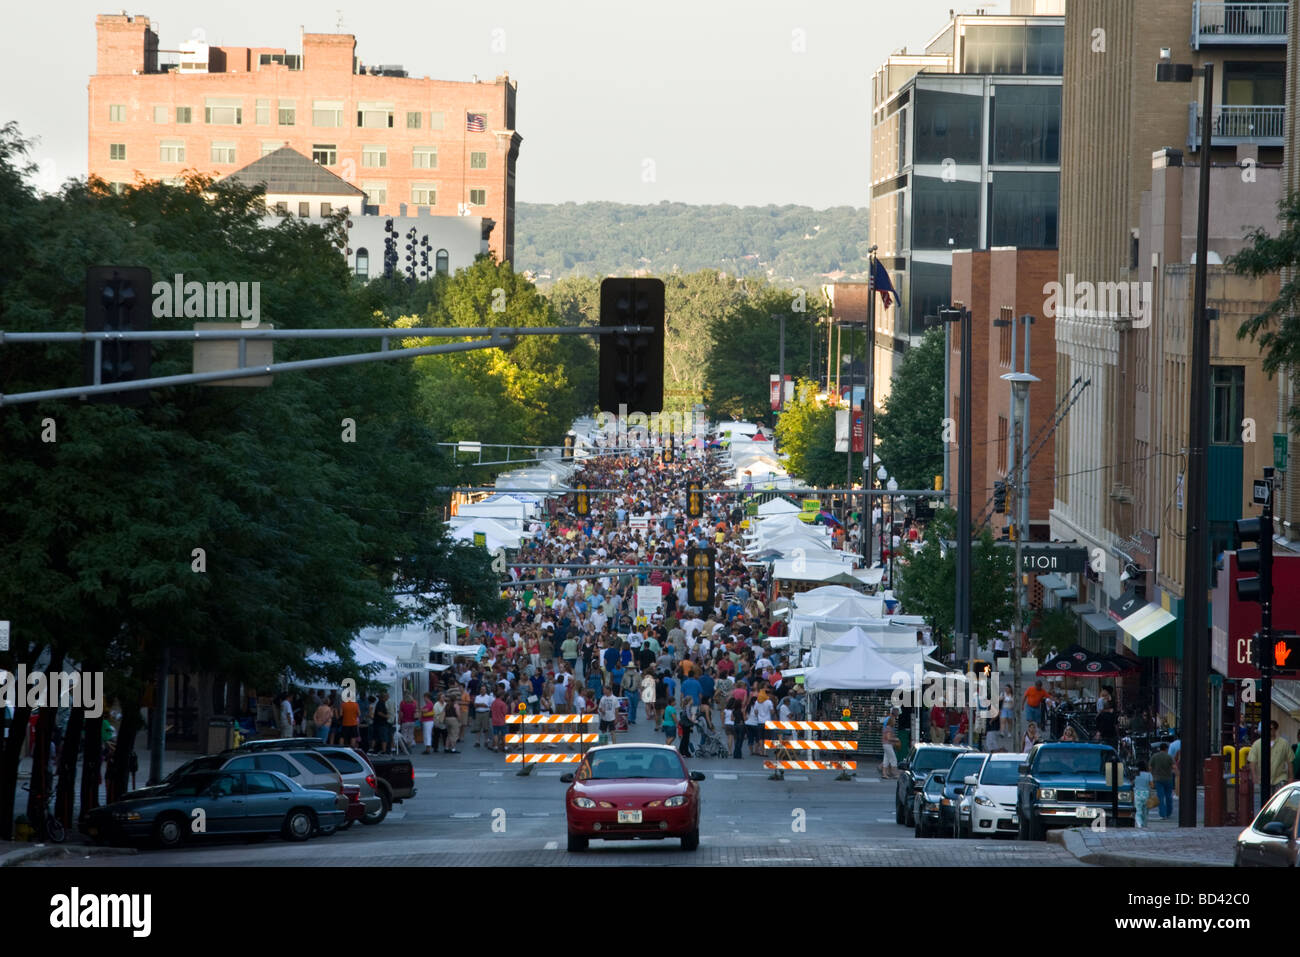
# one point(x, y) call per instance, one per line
point(304, 766)
point(989, 805)
point(395, 776)
point(927, 804)
point(252, 802)
point(623, 792)
point(921, 761)
point(954, 789)
point(356, 770)
point(1272, 839)
point(1065, 785)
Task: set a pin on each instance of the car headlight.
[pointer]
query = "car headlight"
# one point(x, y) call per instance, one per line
point(605, 804)
point(982, 801)
point(1125, 796)
point(1047, 794)
point(583, 802)
point(677, 800)
point(126, 815)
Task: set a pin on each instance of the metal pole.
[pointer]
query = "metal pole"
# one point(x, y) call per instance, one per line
point(1192, 722)
point(780, 400)
point(1264, 660)
point(1019, 424)
point(848, 464)
point(947, 408)
point(963, 611)
point(869, 404)
point(158, 733)
point(1022, 525)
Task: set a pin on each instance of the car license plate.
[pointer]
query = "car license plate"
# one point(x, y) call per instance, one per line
point(629, 817)
point(1088, 812)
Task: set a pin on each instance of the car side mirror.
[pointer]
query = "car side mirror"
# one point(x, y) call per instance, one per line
point(972, 780)
point(904, 766)
point(940, 778)
point(1275, 829)
point(1024, 769)
point(567, 777)
point(697, 775)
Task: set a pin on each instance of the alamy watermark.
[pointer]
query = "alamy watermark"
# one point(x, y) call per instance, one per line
point(62, 689)
point(626, 429)
point(953, 690)
point(179, 299)
point(1081, 299)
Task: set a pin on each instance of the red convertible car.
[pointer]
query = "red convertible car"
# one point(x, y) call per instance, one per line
point(622, 792)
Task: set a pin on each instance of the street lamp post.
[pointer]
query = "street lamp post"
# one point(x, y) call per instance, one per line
point(780, 377)
point(962, 616)
point(1192, 726)
point(1020, 383)
point(893, 487)
point(882, 476)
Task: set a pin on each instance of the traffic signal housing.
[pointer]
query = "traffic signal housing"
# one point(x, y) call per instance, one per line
point(668, 450)
point(118, 299)
point(1259, 559)
point(568, 446)
point(581, 502)
point(1000, 497)
point(632, 365)
point(700, 586)
point(695, 499)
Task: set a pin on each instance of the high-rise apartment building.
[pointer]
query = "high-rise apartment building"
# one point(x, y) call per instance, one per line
point(439, 147)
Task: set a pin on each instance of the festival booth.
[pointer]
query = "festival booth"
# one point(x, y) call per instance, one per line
point(1075, 669)
point(495, 534)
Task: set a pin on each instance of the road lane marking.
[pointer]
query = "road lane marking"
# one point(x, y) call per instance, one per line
point(724, 777)
point(425, 774)
point(536, 813)
point(465, 816)
point(551, 846)
point(796, 777)
point(490, 774)
point(547, 774)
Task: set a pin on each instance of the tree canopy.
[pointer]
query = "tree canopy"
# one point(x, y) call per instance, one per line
point(909, 429)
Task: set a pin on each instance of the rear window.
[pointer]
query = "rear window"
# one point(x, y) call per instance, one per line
point(1069, 761)
point(315, 763)
point(346, 764)
point(931, 760)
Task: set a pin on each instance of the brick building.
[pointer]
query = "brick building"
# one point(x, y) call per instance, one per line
point(439, 147)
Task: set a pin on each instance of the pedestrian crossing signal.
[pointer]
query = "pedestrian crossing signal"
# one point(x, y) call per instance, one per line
point(1285, 657)
point(700, 589)
point(695, 499)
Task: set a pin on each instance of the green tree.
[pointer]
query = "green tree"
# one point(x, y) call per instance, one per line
point(806, 433)
point(909, 430)
point(1277, 328)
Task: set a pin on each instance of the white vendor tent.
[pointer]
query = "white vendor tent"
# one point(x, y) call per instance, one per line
point(853, 663)
point(778, 506)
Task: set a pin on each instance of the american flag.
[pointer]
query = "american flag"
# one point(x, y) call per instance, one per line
point(475, 123)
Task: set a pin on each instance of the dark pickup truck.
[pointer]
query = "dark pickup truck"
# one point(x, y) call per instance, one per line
point(395, 775)
point(1067, 785)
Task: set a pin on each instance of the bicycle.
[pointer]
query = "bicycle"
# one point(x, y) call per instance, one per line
point(53, 828)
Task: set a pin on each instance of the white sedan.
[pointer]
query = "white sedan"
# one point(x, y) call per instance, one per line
point(989, 805)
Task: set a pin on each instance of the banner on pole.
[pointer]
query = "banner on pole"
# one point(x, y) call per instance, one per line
point(841, 430)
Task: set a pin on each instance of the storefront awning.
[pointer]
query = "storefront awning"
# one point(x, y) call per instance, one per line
point(1051, 582)
point(1101, 624)
point(1149, 632)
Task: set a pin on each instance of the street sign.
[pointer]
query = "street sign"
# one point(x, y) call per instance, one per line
point(4, 636)
point(1042, 558)
point(1279, 451)
point(1262, 491)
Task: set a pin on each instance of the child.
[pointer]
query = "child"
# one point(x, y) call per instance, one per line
point(1142, 793)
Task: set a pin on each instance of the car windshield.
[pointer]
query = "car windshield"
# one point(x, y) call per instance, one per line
point(1001, 772)
point(934, 783)
point(1070, 761)
point(192, 785)
point(190, 767)
point(631, 763)
point(932, 760)
point(964, 766)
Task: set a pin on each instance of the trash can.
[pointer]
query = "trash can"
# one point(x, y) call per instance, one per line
point(221, 735)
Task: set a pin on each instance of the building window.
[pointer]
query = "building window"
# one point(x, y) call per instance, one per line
point(118, 187)
point(478, 160)
point(270, 146)
point(374, 157)
point(1023, 210)
point(478, 197)
point(304, 210)
point(223, 152)
point(945, 215)
point(117, 151)
point(424, 194)
point(442, 262)
point(1002, 444)
point(171, 152)
point(1004, 344)
point(288, 112)
point(1026, 125)
point(363, 263)
point(184, 114)
point(435, 121)
point(263, 112)
point(424, 157)
point(117, 113)
point(413, 120)
point(376, 193)
point(282, 208)
point(160, 114)
point(1227, 403)
point(223, 113)
point(326, 209)
point(377, 119)
point(327, 154)
point(326, 114)
point(949, 126)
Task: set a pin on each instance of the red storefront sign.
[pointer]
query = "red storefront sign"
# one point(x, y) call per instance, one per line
point(1234, 622)
point(857, 431)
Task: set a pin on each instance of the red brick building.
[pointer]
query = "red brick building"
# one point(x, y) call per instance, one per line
point(434, 146)
point(995, 284)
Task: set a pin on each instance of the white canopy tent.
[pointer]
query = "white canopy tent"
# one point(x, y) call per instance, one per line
point(853, 663)
point(778, 506)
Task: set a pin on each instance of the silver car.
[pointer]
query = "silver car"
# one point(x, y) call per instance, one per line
point(1272, 839)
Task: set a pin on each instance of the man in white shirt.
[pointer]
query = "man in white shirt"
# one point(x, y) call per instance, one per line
point(763, 712)
point(607, 708)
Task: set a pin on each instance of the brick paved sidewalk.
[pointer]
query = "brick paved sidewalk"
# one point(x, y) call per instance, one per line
point(1156, 847)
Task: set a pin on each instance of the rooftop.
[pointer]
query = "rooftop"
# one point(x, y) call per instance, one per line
point(287, 171)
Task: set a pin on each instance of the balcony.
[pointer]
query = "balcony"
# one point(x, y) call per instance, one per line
point(1238, 24)
point(1262, 125)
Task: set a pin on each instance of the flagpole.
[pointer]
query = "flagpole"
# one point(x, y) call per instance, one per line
point(869, 401)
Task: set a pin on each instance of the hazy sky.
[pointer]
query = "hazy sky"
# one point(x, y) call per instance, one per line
point(734, 101)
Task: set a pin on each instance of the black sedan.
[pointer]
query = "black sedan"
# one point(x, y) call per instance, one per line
point(927, 811)
point(218, 803)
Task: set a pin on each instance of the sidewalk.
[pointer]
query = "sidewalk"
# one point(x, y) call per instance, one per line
point(1166, 845)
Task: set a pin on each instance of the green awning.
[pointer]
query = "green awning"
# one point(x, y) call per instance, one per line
point(1150, 632)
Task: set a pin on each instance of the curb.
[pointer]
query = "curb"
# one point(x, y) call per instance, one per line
point(1077, 846)
point(43, 852)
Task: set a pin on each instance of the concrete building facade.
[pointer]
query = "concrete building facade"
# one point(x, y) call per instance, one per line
point(440, 147)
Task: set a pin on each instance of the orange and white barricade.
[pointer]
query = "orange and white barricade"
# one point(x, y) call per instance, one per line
point(548, 737)
point(780, 765)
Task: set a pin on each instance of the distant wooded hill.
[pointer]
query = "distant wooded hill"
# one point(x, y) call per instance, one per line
point(795, 244)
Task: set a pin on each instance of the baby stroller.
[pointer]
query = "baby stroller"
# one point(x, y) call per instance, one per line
point(711, 743)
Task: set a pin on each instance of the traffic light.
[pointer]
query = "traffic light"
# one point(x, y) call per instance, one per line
point(924, 511)
point(695, 499)
point(118, 299)
point(700, 587)
point(568, 446)
point(1258, 587)
point(1284, 655)
point(632, 366)
point(581, 503)
point(1000, 497)
point(668, 450)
